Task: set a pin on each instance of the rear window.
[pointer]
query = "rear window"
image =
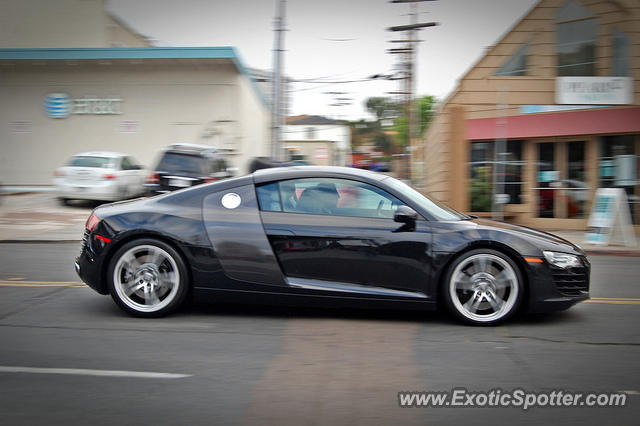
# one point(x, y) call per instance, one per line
point(97, 162)
point(174, 163)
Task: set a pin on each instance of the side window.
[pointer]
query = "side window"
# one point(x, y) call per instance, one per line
point(268, 198)
point(338, 197)
point(220, 165)
point(126, 164)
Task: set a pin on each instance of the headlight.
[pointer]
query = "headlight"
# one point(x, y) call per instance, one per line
point(562, 260)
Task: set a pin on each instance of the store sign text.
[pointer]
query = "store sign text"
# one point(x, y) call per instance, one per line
point(594, 90)
point(61, 105)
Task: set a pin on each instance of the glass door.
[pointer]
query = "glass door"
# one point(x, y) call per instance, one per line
point(562, 191)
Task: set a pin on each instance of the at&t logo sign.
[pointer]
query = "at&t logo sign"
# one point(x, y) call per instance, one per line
point(61, 105)
point(57, 105)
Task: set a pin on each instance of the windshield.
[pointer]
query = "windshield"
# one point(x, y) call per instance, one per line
point(173, 163)
point(97, 162)
point(435, 208)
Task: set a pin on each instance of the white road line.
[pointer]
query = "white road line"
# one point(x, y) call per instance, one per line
point(87, 372)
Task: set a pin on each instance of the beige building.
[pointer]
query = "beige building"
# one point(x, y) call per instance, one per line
point(318, 140)
point(64, 23)
point(68, 85)
point(549, 114)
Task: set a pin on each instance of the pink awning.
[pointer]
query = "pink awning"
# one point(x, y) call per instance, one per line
point(590, 122)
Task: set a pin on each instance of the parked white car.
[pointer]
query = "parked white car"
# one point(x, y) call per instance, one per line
point(105, 176)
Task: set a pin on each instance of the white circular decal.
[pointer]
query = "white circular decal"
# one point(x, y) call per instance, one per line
point(231, 200)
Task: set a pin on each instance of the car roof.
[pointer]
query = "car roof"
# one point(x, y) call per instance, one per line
point(100, 154)
point(194, 149)
point(279, 173)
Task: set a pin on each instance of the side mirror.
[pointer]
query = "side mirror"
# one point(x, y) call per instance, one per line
point(405, 214)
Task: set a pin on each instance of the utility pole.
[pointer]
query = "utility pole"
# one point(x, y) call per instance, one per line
point(276, 106)
point(410, 74)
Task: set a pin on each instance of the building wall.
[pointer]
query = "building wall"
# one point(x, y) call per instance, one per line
point(318, 153)
point(63, 23)
point(254, 117)
point(162, 103)
point(480, 94)
point(339, 134)
point(118, 34)
point(436, 157)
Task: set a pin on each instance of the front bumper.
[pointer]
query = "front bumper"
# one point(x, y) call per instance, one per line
point(553, 289)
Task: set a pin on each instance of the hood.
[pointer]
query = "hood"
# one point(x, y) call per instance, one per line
point(543, 240)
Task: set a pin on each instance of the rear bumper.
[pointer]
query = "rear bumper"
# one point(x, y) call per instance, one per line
point(108, 191)
point(88, 266)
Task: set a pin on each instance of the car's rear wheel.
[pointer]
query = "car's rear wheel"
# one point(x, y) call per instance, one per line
point(483, 287)
point(147, 278)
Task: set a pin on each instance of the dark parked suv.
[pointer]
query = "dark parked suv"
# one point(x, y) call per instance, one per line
point(185, 165)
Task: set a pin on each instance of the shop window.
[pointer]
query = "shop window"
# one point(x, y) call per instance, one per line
point(576, 190)
point(620, 66)
point(482, 174)
point(619, 168)
point(562, 188)
point(516, 65)
point(547, 175)
point(576, 31)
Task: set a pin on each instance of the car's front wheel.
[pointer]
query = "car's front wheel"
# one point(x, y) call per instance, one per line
point(483, 287)
point(147, 278)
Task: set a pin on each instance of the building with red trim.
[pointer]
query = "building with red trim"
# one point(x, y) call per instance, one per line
point(547, 116)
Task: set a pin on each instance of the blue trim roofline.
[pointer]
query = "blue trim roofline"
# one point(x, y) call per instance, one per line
point(243, 70)
point(105, 53)
point(224, 52)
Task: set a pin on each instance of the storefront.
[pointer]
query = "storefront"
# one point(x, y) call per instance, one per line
point(550, 114)
point(57, 102)
point(549, 171)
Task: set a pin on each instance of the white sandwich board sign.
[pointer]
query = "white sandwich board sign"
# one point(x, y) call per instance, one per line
point(610, 220)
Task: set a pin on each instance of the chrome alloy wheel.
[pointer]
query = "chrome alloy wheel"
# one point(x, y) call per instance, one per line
point(146, 278)
point(484, 288)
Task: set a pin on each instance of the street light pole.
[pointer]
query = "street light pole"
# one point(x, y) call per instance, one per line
point(409, 80)
point(276, 99)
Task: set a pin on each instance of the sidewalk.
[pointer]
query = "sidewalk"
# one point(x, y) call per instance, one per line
point(577, 237)
point(39, 217)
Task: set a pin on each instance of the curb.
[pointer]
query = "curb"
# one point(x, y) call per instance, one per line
point(620, 253)
point(40, 241)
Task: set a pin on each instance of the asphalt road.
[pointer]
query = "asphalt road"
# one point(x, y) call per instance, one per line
point(259, 365)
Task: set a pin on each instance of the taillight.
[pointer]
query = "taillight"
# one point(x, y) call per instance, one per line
point(59, 173)
point(210, 179)
point(92, 222)
point(109, 176)
point(154, 178)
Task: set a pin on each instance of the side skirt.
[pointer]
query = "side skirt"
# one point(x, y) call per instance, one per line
point(210, 295)
point(351, 288)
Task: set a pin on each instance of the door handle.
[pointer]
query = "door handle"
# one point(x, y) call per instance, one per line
point(279, 232)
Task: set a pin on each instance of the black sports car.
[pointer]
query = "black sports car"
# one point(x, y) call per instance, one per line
point(324, 234)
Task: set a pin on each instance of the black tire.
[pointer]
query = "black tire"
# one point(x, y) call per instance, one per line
point(148, 278)
point(483, 287)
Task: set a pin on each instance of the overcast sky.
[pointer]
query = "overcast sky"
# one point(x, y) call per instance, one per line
point(333, 40)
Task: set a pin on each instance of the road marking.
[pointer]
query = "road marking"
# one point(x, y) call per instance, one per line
point(631, 392)
point(614, 300)
point(42, 284)
point(87, 372)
